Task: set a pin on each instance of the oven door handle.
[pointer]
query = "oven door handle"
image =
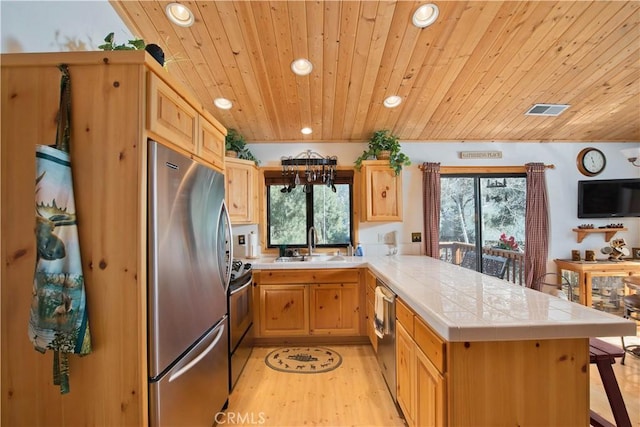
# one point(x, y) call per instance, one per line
point(235, 291)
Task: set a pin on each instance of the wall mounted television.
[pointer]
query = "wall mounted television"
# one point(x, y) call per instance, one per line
point(609, 198)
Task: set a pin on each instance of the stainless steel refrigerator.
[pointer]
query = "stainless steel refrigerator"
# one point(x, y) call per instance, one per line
point(188, 271)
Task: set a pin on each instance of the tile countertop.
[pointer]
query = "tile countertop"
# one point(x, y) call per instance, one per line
point(463, 305)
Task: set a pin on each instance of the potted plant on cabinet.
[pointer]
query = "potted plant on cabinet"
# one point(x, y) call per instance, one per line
point(235, 146)
point(384, 145)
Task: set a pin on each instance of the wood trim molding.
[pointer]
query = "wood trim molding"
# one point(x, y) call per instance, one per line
point(483, 169)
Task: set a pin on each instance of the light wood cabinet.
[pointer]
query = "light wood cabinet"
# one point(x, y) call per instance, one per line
point(172, 120)
point(242, 189)
point(284, 310)
point(119, 99)
point(420, 370)
point(382, 192)
point(210, 145)
point(294, 303)
point(443, 383)
point(170, 116)
point(334, 309)
point(405, 373)
point(429, 392)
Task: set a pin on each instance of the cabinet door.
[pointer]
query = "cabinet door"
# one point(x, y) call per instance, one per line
point(405, 371)
point(334, 309)
point(210, 143)
point(382, 193)
point(430, 389)
point(284, 310)
point(240, 177)
point(170, 116)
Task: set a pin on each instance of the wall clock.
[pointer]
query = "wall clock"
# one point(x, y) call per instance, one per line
point(591, 161)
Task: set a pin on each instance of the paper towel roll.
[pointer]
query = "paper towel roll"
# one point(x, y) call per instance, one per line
point(252, 246)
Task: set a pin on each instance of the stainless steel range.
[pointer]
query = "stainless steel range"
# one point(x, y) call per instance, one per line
point(240, 319)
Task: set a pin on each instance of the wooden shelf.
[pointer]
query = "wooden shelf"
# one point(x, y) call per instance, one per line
point(608, 232)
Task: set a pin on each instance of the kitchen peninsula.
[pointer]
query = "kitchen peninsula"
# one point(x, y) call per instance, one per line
point(510, 355)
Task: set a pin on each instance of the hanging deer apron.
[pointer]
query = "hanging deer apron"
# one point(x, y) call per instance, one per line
point(58, 317)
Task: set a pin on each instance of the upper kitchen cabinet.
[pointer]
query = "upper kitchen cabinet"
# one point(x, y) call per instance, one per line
point(242, 190)
point(172, 118)
point(382, 191)
point(120, 99)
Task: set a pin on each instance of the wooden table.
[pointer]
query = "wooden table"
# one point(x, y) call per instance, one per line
point(588, 269)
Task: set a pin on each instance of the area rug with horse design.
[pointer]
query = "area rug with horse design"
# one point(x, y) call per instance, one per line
point(303, 360)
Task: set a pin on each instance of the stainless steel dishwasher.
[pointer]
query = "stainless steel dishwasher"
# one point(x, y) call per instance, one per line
point(387, 343)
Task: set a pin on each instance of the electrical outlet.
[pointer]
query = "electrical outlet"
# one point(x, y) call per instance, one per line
point(416, 237)
point(241, 239)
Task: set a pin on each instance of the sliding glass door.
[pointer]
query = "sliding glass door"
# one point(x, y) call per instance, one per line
point(482, 221)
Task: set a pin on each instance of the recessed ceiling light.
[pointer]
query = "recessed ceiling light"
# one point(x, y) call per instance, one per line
point(392, 101)
point(306, 131)
point(425, 15)
point(301, 66)
point(223, 103)
point(179, 14)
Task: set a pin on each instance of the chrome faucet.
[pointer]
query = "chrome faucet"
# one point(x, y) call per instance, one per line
point(311, 237)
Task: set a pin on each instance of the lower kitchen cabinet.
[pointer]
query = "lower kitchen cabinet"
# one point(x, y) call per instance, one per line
point(420, 384)
point(284, 310)
point(430, 389)
point(297, 303)
point(334, 309)
point(406, 373)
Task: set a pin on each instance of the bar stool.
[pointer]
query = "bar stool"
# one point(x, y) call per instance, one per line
point(631, 311)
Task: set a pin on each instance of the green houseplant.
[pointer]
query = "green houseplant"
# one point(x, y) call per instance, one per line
point(235, 143)
point(381, 142)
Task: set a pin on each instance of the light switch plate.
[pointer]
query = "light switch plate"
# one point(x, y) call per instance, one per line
point(416, 237)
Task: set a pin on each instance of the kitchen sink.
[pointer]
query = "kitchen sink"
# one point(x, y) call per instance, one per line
point(312, 258)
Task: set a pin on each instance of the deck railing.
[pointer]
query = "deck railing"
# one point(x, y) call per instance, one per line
point(453, 252)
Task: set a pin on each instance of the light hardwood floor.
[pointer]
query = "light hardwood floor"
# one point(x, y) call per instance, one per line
point(355, 393)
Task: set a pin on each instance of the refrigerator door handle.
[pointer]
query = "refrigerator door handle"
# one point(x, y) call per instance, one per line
point(177, 374)
point(224, 265)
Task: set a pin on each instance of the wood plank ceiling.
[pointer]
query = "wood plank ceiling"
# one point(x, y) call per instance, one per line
point(470, 76)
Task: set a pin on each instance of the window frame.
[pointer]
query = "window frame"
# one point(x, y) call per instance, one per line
point(275, 178)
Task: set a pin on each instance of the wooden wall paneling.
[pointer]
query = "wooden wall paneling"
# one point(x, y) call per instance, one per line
point(315, 14)
point(480, 373)
point(375, 51)
point(519, 30)
point(563, 50)
point(108, 387)
point(396, 55)
point(299, 49)
point(237, 86)
point(30, 104)
point(441, 76)
point(350, 11)
point(331, 27)
point(540, 30)
point(252, 37)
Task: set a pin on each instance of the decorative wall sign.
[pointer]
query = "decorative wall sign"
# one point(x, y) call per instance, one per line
point(480, 154)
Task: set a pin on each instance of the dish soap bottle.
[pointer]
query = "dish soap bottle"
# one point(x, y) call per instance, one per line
point(359, 251)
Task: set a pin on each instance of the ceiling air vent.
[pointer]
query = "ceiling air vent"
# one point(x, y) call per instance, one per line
point(547, 109)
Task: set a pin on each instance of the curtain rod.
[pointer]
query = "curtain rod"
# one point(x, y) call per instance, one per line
point(493, 168)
